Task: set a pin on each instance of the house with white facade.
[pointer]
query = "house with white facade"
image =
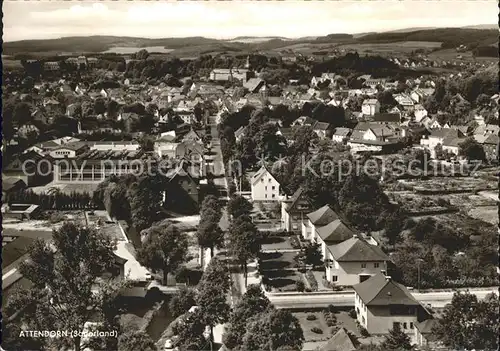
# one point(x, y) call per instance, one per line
point(353, 261)
point(341, 135)
point(381, 303)
point(294, 209)
point(420, 112)
point(318, 218)
point(264, 186)
point(370, 107)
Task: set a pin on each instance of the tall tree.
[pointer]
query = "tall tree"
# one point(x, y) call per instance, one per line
point(66, 293)
point(164, 249)
point(244, 241)
point(470, 324)
point(211, 294)
point(471, 149)
point(253, 302)
point(239, 206)
point(397, 340)
point(273, 329)
point(182, 301)
point(209, 233)
point(190, 332)
point(136, 340)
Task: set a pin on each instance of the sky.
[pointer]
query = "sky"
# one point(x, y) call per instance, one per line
point(229, 19)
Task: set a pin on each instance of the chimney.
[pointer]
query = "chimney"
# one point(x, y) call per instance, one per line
point(388, 278)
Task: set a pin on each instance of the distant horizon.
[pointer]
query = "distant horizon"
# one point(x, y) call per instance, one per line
point(410, 29)
point(227, 20)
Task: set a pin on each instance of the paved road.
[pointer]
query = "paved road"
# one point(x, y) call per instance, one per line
point(434, 299)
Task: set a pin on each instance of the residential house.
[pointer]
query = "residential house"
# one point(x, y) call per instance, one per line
point(187, 117)
point(438, 136)
point(490, 146)
point(420, 112)
point(332, 233)
point(318, 218)
point(342, 340)
point(181, 193)
point(370, 107)
point(430, 123)
point(322, 129)
point(386, 118)
point(10, 186)
point(341, 135)
point(286, 133)
point(192, 136)
point(304, 121)
point(353, 261)
point(293, 210)
point(166, 147)
point(265, 186)
point(405, 101)
point(30, 167)
point(381, 303)
point(72, 109)
point(28, 129)
point(374, 137)
point(51, 66)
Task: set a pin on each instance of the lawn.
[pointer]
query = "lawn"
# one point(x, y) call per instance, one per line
point(343, 321)
point(278, 268)
point(307, 325)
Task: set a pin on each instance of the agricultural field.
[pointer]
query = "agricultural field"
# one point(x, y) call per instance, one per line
point(465, 184)
point(401, 46)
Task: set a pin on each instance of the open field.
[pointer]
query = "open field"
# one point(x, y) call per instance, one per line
point(401, 46)
point(465, 184)
point(125, 50)
point(10, 63)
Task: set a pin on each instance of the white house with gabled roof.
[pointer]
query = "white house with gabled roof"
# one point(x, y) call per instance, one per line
point(264, 186)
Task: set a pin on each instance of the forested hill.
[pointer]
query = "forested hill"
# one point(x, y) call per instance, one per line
point(450, 37)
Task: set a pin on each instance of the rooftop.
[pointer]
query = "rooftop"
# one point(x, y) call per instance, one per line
point(356, 249)
point(322, 216)
point(335, 231)
point(380, 290)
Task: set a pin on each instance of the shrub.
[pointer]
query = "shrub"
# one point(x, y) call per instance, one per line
point(300, 286)
point(364, 333)
point(331, 308)
point(316, 330)
point(312, 280)
point(308, 290)
point(352, 314)
point(56, 217)
point(311, 317)
point(295, 242)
